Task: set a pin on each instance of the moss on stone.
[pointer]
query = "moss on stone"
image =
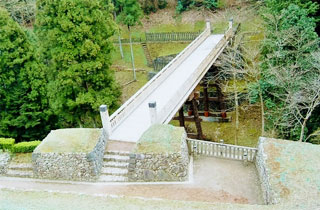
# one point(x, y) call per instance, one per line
point(160, 139)
point(70, 140)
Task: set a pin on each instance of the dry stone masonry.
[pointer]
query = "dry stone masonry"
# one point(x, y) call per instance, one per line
point(161, 154)
point(70, 154)
point(4, 161)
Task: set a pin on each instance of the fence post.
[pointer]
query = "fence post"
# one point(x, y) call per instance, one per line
point(153, 112)
point(230, 23)
point(105, 119)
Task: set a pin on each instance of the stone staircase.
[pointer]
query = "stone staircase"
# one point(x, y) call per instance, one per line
point(147, 53)
point(23, 170)
point(115, 166)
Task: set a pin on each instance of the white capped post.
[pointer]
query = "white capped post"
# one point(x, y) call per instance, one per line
point(208, 25)
point(153, 112)
point(105, 119)
point(230, 22)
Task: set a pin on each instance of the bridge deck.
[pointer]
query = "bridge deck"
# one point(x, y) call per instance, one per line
point(138, 120)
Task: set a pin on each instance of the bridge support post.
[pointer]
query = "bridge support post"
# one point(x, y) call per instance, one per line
point(208, 25)
point(206, 100)
point(197, 118)
point(153, 112)
point(230, 22)
point(105, 119)
point(181, 117)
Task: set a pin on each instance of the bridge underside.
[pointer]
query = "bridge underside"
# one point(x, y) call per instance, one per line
point(177, 85)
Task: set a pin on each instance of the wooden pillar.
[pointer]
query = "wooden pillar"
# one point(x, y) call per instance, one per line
point(181, 118)
point(222, 104)
point(197, 119)
point(206, 100)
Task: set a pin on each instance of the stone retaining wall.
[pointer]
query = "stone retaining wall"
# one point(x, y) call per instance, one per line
point(159, 165)
point(70, 165)
point(4, 161)
point(264, 178)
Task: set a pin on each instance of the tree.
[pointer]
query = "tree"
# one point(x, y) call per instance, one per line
point(22, 11)
point(117, 5)
point(130, 15)
point(24, 109)
point(77, 50)
point(288, 70)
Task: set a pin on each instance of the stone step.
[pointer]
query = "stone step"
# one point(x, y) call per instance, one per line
point(114, 171)
point(113, 152)
point(19, 173)
point(115, 164)
point(21, 166)
point(112, 178)
point(116, 158)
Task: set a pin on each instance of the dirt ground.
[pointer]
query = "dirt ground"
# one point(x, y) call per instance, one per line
point(215, 180)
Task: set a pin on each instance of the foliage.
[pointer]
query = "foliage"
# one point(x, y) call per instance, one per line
point(184, 5)
point(6, 143)
point(22, 11)
point(130, 13)
point(24, 109)
point(25, 147)
point(149, 6)
point(288, 70)
point(276, 6)
point(75, 40)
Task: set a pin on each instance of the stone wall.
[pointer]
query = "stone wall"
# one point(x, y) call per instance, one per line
point(4, 161)
point(84, 166)
point(289, 171)
point(261, 166)
point(160, 163)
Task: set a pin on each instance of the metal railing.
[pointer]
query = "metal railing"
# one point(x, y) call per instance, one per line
point(221, 150)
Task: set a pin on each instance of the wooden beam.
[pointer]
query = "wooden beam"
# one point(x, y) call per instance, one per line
point(210, 99)
point(181, 117)
point(187, 119)
point(197, 119)
point(206, 101)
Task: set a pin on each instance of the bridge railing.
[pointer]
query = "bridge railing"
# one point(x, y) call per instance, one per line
point(170, 109)
point(119, 115)
point(221, 150)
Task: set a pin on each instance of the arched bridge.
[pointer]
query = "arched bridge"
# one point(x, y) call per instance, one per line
point(160, 99)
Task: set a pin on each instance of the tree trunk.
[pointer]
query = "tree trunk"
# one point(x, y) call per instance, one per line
point(262, 112)
point(302, 129)
point(119, 38)
point(132, 57)
point(236, 107)
point(120, 44)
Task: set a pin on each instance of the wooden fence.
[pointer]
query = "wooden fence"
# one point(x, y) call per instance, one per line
point(172, 36)
point(162, 37)
point(221, 150)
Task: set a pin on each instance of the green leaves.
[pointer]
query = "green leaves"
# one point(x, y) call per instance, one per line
point(75, 38)
point(23, 106)
point(130, 12)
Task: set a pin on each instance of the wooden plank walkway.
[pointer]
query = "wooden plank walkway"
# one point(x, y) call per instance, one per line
point(169, 88)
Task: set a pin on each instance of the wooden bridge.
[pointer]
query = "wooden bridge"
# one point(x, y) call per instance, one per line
point(161, 98)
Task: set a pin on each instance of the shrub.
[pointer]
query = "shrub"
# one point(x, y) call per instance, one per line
point(25, 147)
point(6, 143)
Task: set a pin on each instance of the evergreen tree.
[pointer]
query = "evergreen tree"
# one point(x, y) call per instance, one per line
point(130, 15)
point(75, 37)
point(24, 110)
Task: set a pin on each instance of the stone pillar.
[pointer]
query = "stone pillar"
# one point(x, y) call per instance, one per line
point(105, 119)
point(153, 112)
point(208, 25)
point(230, 22)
